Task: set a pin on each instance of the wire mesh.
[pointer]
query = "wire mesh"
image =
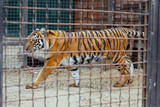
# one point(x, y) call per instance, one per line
point(96, 86)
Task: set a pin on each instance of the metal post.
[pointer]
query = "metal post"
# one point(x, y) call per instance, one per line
point(1, 53)
point(158, 59)
point(25, 29)
point(110, 7)
point(153, 56)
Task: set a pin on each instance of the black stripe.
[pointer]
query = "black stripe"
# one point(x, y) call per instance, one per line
point(136, 34)
point(117, 60)
point(141, 34)
point(103, 40)
point(71, 38)
point(125, 30)
point(83, 42)
point(49, 58)
point(113, 39)
point(82, 59)
point(117, 36)
point(97, 43)
point(43, 43)
point(84, 55)
point(89, 44)
point(64, 40)
point(75, 59)
point(128, 46)
point(97, 59)
point(91, 40)
point(117, 32)
point(76, 36)
point(68, 34)
point(74, 69)
point(49, 42)
point(120, 33)
point(90, 60)
point(113, 33)
point(51, 32)
point(78, 42)
point(107, 36)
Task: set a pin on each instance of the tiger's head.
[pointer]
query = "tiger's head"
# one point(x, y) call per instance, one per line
point(40, 40)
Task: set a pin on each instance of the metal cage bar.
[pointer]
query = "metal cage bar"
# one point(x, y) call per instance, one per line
point(153, 56)
point(1, 53)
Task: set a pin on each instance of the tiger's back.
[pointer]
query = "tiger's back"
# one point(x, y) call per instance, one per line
point(89, 46)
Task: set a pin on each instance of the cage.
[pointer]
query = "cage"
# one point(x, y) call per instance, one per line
point(96, 28)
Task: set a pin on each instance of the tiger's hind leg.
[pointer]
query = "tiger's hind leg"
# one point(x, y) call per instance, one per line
point(127, 70)
point(75, 74)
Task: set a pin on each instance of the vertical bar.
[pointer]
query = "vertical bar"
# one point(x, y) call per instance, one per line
point(139, 29)
point(58, 27)
point(25, 29)
point(110, 8)
point(5, 56)
point(139, 56)
point(158, 62)
point(20, 36)
point(81, 28)
point(70, 27)
point(46, 13)
point(25, 19)
point(46, 20)
point(152, 56)
point(32, 60)
point(144, 54)
point(1, 53)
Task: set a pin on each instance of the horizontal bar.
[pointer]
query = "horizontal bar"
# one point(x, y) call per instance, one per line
point(136, 0)
point(80, 10)
point(81, 65)
point(74, 94)
point(80, 24)
point(20, 38)
point(51, 81)
point(59, 52)
point(112, 102)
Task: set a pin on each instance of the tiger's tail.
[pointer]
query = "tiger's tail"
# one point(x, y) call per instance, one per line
point(132, 33)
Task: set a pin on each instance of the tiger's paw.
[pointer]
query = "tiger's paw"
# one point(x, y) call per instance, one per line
point(117, 84)
point(73, 85)
point(130, 80)
point(31, 86)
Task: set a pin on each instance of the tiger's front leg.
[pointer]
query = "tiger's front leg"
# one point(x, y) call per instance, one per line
point(47, 69)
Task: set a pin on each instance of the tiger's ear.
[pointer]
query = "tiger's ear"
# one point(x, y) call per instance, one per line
point(52, 32)
point(37, 29)
point(44, 32)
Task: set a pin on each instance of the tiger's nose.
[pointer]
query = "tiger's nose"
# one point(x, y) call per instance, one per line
point(26, 49)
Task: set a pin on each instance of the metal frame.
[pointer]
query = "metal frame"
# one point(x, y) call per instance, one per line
point(153, 56)
point(153, 53)
point(1, 53)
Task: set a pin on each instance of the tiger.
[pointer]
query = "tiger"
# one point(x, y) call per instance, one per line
point(83, 47)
